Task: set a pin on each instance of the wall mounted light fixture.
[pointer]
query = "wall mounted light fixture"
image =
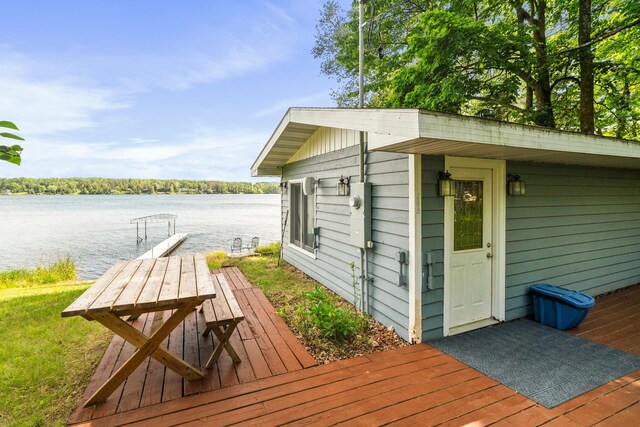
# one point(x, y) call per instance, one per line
point(515, 186)
point(446, 184)
point(342, 188)
point(283, 187)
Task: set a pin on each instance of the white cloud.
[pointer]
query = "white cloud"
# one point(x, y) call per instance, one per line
point(281, 106)
point(42, 106)
point(206, 153)
point(280, 12)
point(137, 140)
point(214, 56)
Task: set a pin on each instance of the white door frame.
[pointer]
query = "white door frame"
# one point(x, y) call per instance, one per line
point(498, 168)
point(415, 248)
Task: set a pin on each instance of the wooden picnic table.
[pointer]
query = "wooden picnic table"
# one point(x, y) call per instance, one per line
point(134, 287)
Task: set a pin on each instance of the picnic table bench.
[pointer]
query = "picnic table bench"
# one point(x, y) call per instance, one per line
point(222, 315)
point(179, 283)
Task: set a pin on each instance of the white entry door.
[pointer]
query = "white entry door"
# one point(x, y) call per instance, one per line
point(470, 220)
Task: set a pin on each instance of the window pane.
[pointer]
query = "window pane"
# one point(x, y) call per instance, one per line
point(308, 221)
point(467, 211)
point(295, 217)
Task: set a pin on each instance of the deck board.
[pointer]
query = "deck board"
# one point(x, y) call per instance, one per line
point(414, 385)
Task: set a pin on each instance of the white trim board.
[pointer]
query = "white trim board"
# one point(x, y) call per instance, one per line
point(415, 248)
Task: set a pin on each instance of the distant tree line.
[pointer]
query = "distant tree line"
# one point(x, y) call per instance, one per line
point(130, 186)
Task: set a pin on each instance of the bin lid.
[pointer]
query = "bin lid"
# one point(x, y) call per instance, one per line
point(571, 297)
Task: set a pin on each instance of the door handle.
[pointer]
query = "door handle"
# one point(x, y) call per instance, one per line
point(489, 255)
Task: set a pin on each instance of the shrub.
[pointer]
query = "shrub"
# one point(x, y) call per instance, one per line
point(320, 314)
point(59, 271)
point(217, 259)
point(270, 249)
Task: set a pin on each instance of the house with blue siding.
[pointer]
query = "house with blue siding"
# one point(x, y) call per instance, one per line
point(437, 224)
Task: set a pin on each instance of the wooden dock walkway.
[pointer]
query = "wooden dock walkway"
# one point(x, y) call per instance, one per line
point(415, 385)
point(165, 247)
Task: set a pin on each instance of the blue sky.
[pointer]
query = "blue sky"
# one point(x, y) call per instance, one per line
point(154, 89)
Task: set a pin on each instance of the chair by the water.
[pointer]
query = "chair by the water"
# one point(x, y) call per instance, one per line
point(254, 244)
point(236, 245)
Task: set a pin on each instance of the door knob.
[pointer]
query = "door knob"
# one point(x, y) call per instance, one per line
point(489, 255)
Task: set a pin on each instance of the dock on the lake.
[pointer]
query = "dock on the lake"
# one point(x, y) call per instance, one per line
point(165, 247)
point(152, 219)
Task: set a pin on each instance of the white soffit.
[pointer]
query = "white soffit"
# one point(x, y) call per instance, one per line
point(298, 124)
point(442, 134)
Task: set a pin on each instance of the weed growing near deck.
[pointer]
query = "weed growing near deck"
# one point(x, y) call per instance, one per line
point(321, 315)
point(45, 361)
point(59, 271)
point(217, 259)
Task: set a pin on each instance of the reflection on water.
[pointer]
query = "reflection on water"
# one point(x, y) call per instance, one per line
point(95, 230)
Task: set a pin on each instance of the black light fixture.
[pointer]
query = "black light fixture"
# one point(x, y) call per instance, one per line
point(446, 184)
point(283, 187)
point(342, 188)
point(515, 186)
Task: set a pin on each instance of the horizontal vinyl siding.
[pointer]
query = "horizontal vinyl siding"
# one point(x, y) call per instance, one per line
point(388, 174)
point(577, 227)
point(433, 241)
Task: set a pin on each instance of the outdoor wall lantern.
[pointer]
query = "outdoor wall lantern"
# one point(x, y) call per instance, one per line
point(283, 187)
point(445, 184)
point(342, 188)
point(515, 186)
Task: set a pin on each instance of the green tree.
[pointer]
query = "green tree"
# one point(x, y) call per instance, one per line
point(571, 64)
point(11, 153)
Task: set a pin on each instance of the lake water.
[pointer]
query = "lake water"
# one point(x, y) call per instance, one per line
point(95, 230)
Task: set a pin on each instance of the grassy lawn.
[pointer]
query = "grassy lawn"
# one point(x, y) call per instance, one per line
point(45, 361)
point(283, 284)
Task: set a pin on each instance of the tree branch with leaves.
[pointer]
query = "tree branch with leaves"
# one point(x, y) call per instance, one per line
point(10, 153)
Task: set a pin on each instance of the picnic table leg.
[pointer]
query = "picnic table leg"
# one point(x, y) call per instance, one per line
point(137, 338)
point(146, 347)
point(223, 338)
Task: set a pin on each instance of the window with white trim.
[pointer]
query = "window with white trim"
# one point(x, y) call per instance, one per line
point(302, 214)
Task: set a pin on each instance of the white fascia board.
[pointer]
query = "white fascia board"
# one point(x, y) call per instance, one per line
point(255, 168)
point(492, 132)
point(403, 123)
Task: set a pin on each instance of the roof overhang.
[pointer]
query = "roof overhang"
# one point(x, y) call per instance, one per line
point(423, 132)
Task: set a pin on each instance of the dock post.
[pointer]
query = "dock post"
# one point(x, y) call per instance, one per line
point(145, 230)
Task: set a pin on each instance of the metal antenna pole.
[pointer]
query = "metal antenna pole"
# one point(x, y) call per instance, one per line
point(363, 267)
point(361, 54)
point(361, 80)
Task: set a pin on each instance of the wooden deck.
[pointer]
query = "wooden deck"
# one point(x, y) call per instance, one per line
point(263, 341)
point(415, 385)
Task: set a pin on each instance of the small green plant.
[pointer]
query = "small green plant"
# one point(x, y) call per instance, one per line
point(321, 314)
point(355, 285)
point(59, 271)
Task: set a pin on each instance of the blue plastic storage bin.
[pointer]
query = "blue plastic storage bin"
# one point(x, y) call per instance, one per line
point(559, 307)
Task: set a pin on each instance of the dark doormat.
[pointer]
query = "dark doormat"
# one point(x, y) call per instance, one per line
point(542, 363)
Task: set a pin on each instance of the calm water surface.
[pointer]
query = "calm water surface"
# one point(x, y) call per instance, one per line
point(95, 230)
